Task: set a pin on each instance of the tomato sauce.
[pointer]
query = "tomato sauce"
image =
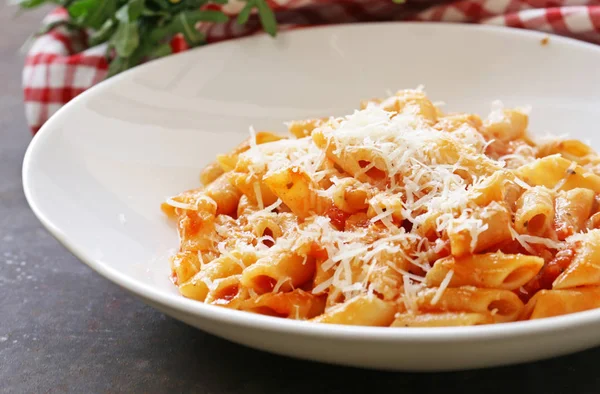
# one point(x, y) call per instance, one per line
point(192, 223)
point(319, 253)
point(228, 293)
point(549, 273)
point(338, 217)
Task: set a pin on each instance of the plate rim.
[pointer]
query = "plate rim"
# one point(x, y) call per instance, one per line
point(274, 324)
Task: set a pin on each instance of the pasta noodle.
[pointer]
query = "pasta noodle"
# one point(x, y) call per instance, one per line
point(397, 215)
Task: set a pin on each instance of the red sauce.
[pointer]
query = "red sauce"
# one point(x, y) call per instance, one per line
point(228, 293)
point(407, 225)
point(549, 273)
point(264, 284)
point(194, 223)
point(267, 242)
point(319, 253)
point(337, 216)
point(563, 230)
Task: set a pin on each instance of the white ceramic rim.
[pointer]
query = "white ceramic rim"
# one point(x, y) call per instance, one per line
point(268, 323)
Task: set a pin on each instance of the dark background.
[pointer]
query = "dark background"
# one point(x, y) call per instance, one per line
point(63, 328)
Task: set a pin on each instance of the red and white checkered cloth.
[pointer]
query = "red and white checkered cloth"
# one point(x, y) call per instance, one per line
point(59, 65)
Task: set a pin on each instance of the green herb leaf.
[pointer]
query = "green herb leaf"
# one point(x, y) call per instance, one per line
point(118, 65)
point(160, 33)
point(135, 9)
point(131, 11)
point(122, 14)
point(81, 8)
point(104, 34)
point(92, 13)
point(244, 14)
point(136, 30)
point(267, 17)
point(185, 23)
point(187, 26)
point(161, 51)
point(126, 39)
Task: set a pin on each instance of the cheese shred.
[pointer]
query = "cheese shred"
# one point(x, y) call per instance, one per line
point(368, 204)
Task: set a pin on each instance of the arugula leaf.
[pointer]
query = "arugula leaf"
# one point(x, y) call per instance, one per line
point(126, 38)
point(161, 51)
point(267, 17)
point(92, 13)
point(81, 8)
point(136, 7)
point(118, 65)
point(187, 26)
point(244, 14)
point(131, 11)
point(106, 31)
point(185, 23)
point(265, 14)
point(138, 30)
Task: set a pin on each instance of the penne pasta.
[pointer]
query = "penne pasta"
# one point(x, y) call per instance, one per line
point(572, 210)
point(496, 219)
point(282, 271)
point(296, 304)
point(360, 311)
point(558, 173)
point(491, 270)
point(202, 282)
point(502, 305)
point(395, 215)
point(584, 269)
point(549, 303)
point(351, 196)
point(444, 319)
point(452, 122)
point(227, 292)
point(185, 265)
point(295, 188)
point(505, 125)
point(304, 128)
point(413, 102)
point(535, 211)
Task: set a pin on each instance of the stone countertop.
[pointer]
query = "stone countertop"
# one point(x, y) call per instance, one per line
point(64, 329)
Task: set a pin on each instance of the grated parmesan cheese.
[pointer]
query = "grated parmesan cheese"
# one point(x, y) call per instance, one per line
point(565, 178)
point(422, 185)
point(443, 285)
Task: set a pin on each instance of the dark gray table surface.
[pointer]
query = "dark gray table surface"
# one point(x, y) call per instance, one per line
point(64, 329)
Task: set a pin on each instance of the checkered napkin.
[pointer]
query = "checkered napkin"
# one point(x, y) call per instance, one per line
point(59, 64)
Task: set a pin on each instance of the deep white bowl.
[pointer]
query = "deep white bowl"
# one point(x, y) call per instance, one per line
point(98, 170)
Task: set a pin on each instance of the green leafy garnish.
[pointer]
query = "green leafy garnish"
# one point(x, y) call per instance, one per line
point(139, 30)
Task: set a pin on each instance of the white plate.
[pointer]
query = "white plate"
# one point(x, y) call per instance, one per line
point(98, 170)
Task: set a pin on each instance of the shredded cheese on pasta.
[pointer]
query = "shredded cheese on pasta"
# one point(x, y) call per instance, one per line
point(361, 210)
